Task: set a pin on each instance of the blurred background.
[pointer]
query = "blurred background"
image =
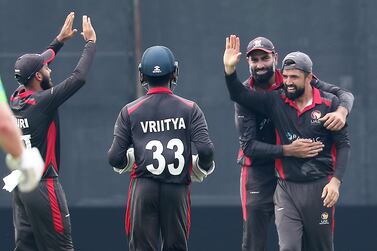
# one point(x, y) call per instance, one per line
point(339, 35)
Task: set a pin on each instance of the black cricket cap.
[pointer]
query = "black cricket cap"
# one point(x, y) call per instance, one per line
point(28, 64)
point(260, 43)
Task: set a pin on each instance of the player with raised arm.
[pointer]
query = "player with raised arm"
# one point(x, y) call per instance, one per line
point(308, 188)
point(41, 217)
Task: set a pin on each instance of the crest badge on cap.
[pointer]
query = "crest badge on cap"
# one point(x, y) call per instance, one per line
point(258, 43)
point(156, 69)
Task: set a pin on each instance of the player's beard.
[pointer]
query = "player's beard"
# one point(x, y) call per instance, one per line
point(262, 80)
point(294, 95)
point(46, 82)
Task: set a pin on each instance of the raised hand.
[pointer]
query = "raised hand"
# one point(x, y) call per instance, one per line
point(232, 54)
point(67, 31)
point(88, 31)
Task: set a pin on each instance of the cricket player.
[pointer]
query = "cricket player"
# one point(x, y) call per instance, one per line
point(307, 188)
point(27, 164)
point(41, 217)
point(258, 148)
point(160, 128)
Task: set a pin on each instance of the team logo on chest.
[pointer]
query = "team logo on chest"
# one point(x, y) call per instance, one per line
point(315, 116)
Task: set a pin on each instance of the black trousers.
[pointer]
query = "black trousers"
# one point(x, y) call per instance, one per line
point(257, 208)
point(157, 216)
point(41, 218)
point(302, 222)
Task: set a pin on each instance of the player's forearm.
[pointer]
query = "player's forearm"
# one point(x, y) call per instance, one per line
point(236, 89)
point(259, 150)
point(346, 101)
point(342, 158)
point(117, 153)
point(82, 69)
point(206, 155)
point(56, 45)
point(244, 96)
point(10, 135)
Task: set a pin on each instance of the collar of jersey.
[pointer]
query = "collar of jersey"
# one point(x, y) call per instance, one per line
point(159, 90)
point(23, 93)
point(278, 81)
point(316, 101)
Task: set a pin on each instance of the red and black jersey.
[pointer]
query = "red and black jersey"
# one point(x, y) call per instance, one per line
point(37, 112)
point(257, 132)
point(161, 127)
point(292, 124)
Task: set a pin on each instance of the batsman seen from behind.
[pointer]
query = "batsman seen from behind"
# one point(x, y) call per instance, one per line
point(41, 217)
point(156, 131)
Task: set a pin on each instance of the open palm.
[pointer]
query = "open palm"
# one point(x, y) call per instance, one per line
point(67, 30)
point(232, 53)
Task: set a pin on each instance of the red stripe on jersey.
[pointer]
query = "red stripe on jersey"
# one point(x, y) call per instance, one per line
point(247, 159)
point(133, 171)
point(30, 101)
point(185, 101)
point(333, 220)
point(159, 90)
point(133, 108)
point(128, 217)
point(55, 209)
point(333, 156)
point(188, 211)
point(244, 172)
point(278, 162)
point(51, 143)
point(25, 94)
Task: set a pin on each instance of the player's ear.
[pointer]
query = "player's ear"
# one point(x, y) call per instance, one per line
point(276, 59)
point(38, 76)
point(309, 77)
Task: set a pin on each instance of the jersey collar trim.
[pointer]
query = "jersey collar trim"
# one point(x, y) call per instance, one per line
point(26, 93)
point(159, 90)
point(317, 100)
